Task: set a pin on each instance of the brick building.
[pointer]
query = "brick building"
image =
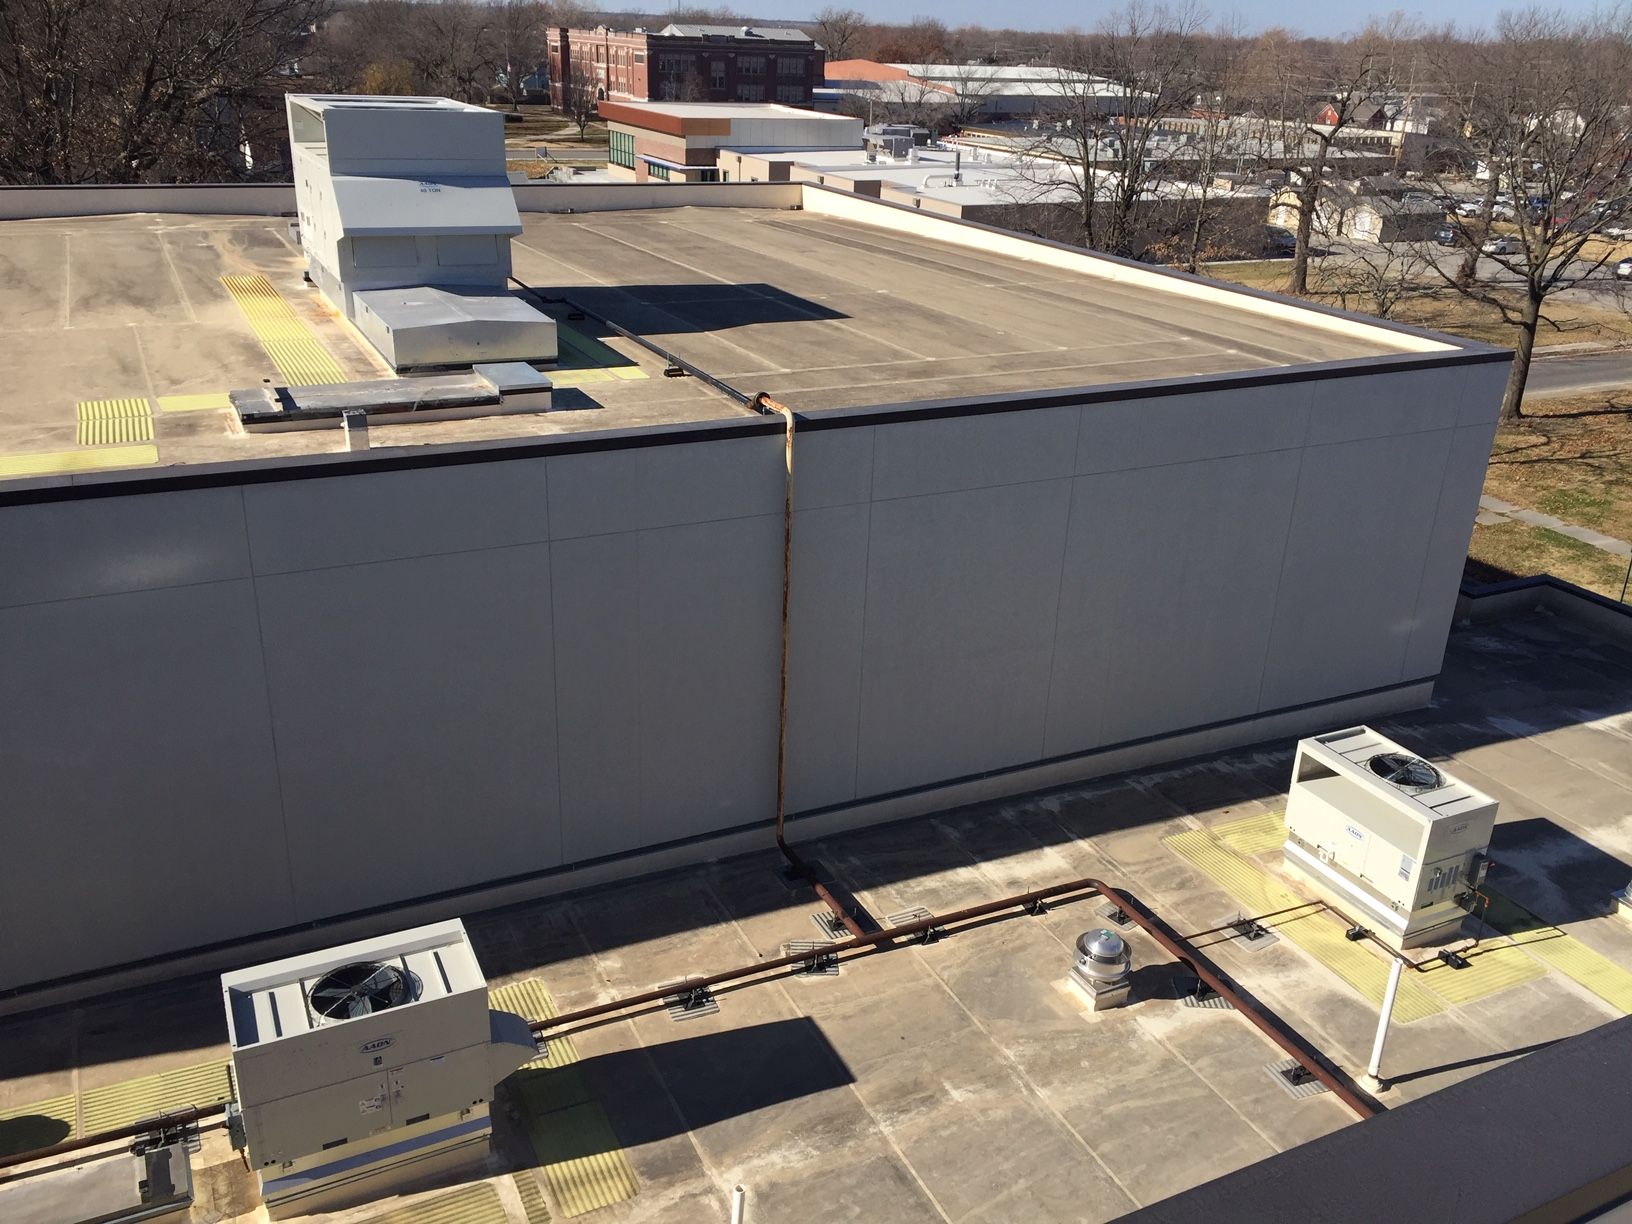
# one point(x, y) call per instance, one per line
point(689, 63)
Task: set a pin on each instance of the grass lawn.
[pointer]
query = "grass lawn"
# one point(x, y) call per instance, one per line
point(1445, 310)
point(1570, 457)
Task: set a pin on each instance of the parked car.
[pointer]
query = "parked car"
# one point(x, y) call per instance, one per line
point(1623, 270)
point(1468, 208)
point(1278, 242)
point(1447, 235)
point(1505, 245)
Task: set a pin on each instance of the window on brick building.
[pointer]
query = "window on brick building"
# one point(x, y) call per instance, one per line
point(751, 65)
point(750, 93)
point(716, 74)
point(790, 66)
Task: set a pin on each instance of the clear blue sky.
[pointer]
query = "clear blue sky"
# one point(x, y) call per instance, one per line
point(1298, 15)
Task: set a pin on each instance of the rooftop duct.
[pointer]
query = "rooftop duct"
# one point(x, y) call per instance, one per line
point(406, 216)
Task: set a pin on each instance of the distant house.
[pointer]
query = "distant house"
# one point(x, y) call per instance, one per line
point(1378, 208)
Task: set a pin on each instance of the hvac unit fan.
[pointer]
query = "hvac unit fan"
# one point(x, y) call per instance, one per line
point(1405, 771)
point(360, 989)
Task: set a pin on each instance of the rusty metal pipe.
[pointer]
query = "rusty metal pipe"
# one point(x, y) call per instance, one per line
point(181, 1117)
point(1261, 1017)
point(764, 403)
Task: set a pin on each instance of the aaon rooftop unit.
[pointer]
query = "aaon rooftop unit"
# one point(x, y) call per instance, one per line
point(367, 1067)
point(1386, 834)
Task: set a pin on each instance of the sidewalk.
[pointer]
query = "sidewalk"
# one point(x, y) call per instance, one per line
point(1495, 510)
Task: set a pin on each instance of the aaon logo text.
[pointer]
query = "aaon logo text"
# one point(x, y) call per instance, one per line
point(375, 1046)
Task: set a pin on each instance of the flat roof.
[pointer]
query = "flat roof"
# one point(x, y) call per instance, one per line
point(733, 110)
point(962, 1079)
point(818, 311)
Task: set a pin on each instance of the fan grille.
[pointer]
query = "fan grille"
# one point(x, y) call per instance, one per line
point(359, 989)
point(1403, 769)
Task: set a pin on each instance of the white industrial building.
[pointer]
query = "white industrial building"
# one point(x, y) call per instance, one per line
point(1053, 515)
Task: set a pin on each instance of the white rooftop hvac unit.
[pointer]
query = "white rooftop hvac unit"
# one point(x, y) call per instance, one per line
point(365, 1066)
point(1387, 834)
point(407, 194)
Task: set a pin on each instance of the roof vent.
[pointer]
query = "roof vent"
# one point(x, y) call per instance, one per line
point(360, 989)
point(1405, 771)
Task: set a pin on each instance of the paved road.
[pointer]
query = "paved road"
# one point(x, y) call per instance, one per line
point(1564, 375)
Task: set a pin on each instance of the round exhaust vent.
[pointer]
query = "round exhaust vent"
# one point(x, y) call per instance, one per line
point(1406, 771)
point(359, 989)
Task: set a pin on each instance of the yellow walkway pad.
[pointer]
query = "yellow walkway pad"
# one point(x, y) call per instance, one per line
point(1252, 834)
point(65, 463)
point(1563, 951)
point(194, 403)
point(1315, 931)
point(113, 1105)
point(477, 1204)
point(300, 359)
point(108, 422)
point(582, 1162)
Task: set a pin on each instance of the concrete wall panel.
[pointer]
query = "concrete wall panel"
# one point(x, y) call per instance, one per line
point(662, 486)
point(834, 468)
point(68, 550)
point(1384, 405)
point(962, 590)
point(1347, 604)
point(710, 647)
point(827, 628)
point(1170, 582)
point(597, 690)
point(141, 809)
point(1185, 428)
point(414, 721)
point(913, 458)
point(385, 516)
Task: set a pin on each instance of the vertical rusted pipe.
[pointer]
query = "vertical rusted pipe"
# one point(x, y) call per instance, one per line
point(763, 402)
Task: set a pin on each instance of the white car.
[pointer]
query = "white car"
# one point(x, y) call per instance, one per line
point(1623, 270)
point(1501, 246)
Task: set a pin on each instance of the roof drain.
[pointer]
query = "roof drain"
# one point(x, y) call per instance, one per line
point(764, 403)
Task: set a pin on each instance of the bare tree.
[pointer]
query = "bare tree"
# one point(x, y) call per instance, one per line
point(580, 97)
point(1374, 277)
point(1553, 131)
point(522, 27)
point(925, 40)
point(839, 30)
point(124, 91)
point(1354, 85)
point(1116, 90)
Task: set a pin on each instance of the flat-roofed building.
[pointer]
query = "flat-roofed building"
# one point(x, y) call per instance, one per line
point(1054, 515)
point(680, 142)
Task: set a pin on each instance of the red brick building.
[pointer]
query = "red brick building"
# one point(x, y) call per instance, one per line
point(688, 63)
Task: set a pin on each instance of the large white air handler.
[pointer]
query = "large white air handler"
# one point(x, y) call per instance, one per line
point(367, 1067)
point(1385, 835)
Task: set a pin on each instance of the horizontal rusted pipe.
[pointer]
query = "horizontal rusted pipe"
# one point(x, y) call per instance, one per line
point(181, 1117)
point(1266, 1021)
